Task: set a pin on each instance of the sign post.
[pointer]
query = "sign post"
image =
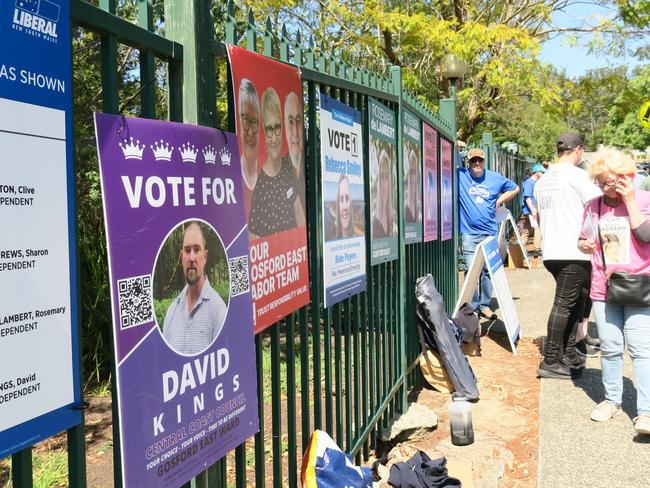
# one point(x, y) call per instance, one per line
point(487, 253)
point(39, 360)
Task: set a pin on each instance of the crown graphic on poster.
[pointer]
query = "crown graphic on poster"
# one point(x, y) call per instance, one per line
point(225, 156)
point(132, 149)
point(210, 155)
point(162, 151)
point(188, 153)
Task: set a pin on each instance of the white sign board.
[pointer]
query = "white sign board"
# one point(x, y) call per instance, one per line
point(34, 263)
point(487, 253)
point(504, 217)
point(40, 392)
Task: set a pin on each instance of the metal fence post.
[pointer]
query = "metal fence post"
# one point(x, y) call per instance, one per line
point(189, 22)
point(396, 76)
point(487, 145)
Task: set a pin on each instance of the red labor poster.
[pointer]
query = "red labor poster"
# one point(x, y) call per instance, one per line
point(430, 181)
point(447, 197)
point(269, 114)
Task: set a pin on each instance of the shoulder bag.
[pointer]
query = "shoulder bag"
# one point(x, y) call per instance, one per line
point(624, 288)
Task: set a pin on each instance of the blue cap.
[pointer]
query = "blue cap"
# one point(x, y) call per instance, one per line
point(539, 167)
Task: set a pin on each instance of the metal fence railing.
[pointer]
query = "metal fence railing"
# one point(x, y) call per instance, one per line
point(345, 369)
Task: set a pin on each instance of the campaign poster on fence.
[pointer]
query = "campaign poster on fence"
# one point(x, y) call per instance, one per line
point(344, 223)
point(269, 118)
point(446, 197)
point(430, 182)
point(383, 182)
point(412, 162)
point(181, 301)
point(40, 391)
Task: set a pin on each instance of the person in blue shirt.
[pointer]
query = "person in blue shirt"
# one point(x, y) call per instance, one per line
point(528, 220)
point(480, 192)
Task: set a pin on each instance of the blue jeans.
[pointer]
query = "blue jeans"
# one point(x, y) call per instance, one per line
point(618, 324)
point(483, 294)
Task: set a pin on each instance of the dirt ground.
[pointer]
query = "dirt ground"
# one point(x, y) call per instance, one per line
point(505, 418)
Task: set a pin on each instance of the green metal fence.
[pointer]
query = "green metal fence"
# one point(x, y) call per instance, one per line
point(346, 369)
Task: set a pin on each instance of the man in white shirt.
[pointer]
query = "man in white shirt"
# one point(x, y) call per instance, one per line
point(561, 195)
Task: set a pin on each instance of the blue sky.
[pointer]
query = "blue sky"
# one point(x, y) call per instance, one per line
point(576, 60)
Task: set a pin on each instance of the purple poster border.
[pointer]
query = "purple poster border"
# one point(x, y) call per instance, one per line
point(447, 197)
point(430, 182)
point(181, 407)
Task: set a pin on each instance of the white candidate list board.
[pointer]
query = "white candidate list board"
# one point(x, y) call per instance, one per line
point(35, 332)
point(40, 392)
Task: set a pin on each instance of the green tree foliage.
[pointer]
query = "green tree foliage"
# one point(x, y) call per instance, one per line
point(635, 12)
point(623, 128)
point(526, 122)
point(588, 100)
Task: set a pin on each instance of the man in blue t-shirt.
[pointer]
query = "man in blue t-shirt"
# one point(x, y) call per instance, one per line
point(528, 220)
point(480, 192)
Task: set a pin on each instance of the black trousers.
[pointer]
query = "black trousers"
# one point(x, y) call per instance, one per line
point(572, 282)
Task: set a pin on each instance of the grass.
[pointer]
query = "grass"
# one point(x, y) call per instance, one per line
point(101, 389)
point(267, 366)
point(50, 470)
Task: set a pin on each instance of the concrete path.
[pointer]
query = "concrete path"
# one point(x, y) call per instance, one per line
point(573, 450)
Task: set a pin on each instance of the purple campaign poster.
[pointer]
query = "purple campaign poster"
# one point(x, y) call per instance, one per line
point(447, 197)
point(181, 302)
point(430, 182)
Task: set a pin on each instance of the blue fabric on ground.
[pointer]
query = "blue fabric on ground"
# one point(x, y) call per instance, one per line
point(333, 471)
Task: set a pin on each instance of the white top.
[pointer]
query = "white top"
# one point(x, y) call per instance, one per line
point(561, 195)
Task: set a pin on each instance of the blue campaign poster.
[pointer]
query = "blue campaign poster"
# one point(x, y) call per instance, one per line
point(344, 224)
point(39, 361)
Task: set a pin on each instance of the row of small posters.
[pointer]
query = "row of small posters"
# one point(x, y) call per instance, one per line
point(207, 245)
point(343, 211)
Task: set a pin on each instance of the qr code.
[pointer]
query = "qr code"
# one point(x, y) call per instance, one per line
point(239, 283)
point(135, 301)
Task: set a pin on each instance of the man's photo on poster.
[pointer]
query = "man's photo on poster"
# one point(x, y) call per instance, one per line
point(191, 287)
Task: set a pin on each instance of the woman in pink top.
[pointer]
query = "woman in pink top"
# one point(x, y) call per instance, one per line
point(622, 215)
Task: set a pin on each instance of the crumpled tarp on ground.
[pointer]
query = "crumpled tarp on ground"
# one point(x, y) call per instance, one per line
point(435, 326)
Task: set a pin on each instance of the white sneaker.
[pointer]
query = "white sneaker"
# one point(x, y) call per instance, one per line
point(606, 411)
point(642, 424)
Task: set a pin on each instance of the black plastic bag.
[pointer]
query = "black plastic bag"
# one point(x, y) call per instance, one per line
point(436, 328)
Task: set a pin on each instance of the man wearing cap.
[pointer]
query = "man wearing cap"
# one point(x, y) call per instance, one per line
point(480, 192)
point(561, 196)
point(528, 221)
